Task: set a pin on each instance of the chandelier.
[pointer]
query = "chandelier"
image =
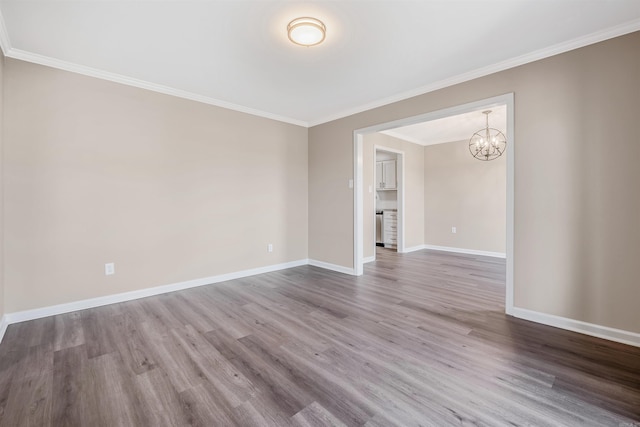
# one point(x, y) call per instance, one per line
point(488, 143)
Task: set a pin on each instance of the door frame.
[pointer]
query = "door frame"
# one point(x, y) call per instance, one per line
point(358, 211)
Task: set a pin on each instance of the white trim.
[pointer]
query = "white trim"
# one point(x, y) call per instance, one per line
point(510, 205)
point(368, 259)
point(333, 267)
point(413, 249)
point(605, 332)
point(457, 250)
point(358, 213)
point(3, 326)
point(5, 43)
point(374, 207)
point(358, 202)
point(465, 251)
point(22, 316)
point(129, 81)
point(598, 36)
point(537, 55)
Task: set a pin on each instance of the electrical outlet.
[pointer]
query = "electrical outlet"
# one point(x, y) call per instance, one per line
point(269, 247)
point(109, 269)
point(454, 230)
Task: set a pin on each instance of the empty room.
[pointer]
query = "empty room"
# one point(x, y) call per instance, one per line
point(353, 213)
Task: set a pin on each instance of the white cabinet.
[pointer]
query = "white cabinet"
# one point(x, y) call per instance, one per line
point(386, 175)
point(389, 174)
point(379, 178)
point(390, 228)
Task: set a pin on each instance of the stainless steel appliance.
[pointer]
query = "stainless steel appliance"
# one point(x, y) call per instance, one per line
point(379, 228)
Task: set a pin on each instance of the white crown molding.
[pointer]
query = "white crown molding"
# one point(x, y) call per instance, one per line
point(576, 43)
point(129, 81)
point(10, 52)
point(599, 36)
point(605, 332)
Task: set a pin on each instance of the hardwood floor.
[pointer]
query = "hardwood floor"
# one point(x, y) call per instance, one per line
point(420, 339)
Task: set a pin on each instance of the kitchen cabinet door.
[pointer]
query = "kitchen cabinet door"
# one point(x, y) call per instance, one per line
point(389, 173)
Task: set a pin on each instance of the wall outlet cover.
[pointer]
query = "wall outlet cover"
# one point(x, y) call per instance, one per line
point(109, 269)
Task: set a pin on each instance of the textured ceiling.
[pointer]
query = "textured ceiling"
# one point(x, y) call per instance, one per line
point(236, 53)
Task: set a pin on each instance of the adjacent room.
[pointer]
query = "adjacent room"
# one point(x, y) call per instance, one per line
point(268, 213)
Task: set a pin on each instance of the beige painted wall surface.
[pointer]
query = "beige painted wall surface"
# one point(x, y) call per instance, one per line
point(577, 241)
point(469, 194)
point(414, 189)
point(168, 189)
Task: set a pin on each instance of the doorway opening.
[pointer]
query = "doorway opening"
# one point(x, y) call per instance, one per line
point(359, 166)
point(384, 209)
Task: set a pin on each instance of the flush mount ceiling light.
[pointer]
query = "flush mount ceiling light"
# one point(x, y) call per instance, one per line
point(306, 31)
point(488, 143)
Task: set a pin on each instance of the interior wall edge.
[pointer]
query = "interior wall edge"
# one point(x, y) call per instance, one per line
point(586, 328)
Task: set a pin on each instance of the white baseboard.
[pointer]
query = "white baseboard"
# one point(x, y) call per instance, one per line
point(22, 316)
point(618, 335)
point(3, 326)
point(465, 251)
point(413, 249)
point(333, 267)
point(605, 332)
point(369, 259)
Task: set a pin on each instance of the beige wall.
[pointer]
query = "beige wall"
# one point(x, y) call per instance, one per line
point(462, 192)
point(576, 167)
point(414, 189)
point(168, 189)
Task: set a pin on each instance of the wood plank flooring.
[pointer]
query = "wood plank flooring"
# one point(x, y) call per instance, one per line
point(419, 340)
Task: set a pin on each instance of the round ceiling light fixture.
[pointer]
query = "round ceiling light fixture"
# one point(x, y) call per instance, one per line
point(306, 31)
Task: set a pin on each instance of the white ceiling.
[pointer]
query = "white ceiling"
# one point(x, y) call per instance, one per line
point(236, 53)
point(452, 128)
